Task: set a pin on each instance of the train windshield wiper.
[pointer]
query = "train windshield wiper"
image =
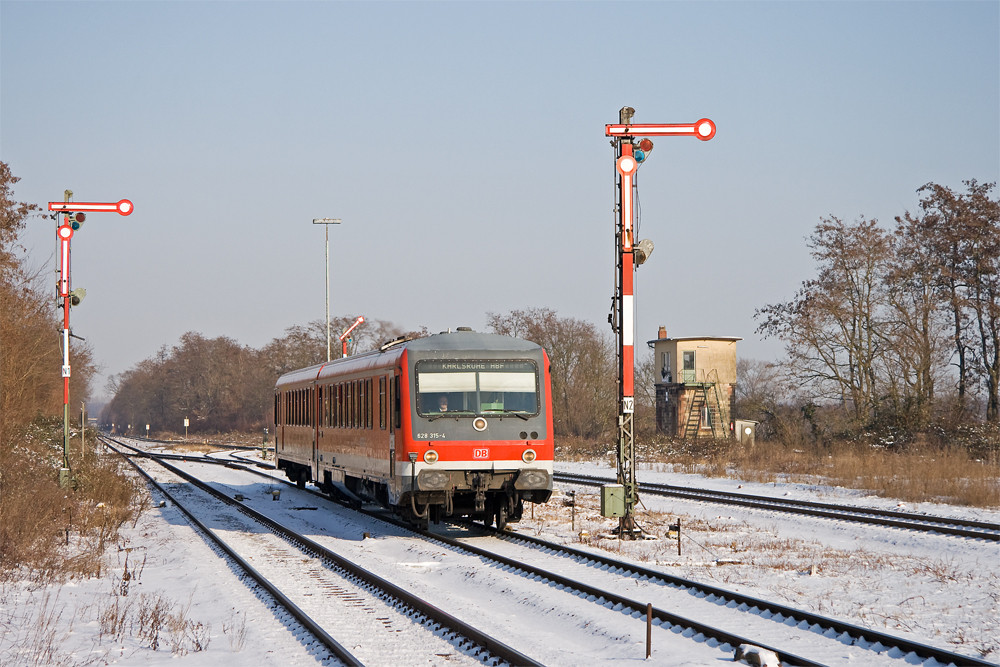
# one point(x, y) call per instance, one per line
point(450, 412)
point(516, 413)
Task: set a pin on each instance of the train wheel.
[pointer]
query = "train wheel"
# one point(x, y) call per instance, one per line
point(302, 478)
point(501, 516)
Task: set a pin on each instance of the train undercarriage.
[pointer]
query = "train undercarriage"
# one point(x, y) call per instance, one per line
point(488, 496)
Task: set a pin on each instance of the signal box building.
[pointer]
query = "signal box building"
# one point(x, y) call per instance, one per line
point(697, 384)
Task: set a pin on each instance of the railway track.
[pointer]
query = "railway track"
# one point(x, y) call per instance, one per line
point(908, 520)
point(371, 606)
point(596, 578)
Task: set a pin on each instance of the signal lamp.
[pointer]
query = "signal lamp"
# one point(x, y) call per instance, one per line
point(642, 250)
point(76, 220)
point(76, 296)
point(642, 150)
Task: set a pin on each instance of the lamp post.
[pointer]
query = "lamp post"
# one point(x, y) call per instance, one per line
point(327, 222)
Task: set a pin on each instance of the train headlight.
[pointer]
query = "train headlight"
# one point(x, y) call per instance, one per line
point(479, 424)
point(430, 456)
point(529, 456)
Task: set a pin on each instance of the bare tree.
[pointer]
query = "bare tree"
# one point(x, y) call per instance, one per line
point(582, 367)
point(835, 335)
point(961, 233)
point(30, 349)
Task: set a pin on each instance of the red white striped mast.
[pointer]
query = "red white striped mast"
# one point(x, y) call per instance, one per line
point(74, 213)
point(629, 154)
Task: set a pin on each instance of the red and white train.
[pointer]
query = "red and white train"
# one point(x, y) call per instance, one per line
point(454, 424)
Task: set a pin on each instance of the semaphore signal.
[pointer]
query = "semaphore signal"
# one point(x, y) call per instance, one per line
point(74, 213)
point(630, 152)
point(122, 207)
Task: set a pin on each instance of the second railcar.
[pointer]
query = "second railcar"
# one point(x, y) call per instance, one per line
point(456, 423)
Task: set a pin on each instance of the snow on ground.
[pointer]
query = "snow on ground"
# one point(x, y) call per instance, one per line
point(935, 589)
point(168, 597)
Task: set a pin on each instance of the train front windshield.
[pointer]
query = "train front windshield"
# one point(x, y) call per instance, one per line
point(477, 387)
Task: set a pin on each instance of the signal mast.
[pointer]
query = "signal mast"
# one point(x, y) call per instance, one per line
point(74, 214)
point(630, 152)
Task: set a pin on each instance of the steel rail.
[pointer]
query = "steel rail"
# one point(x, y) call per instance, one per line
point(307, 622)
point(491, 645)
point(855, 631)
point(780, 611)
point(923, 522)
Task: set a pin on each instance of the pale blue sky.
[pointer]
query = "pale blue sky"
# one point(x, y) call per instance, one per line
point(463, 145)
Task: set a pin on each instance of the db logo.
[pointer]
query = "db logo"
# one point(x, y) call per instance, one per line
point(480, 453)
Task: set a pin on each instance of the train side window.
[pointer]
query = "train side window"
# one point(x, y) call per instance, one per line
point(340, 405)
point(396, 411)
point(348, 405)
point(369, 404)
point(361, 403)
point(356, 404)
point(381, 402)
point(326, 405)
point(335, 400)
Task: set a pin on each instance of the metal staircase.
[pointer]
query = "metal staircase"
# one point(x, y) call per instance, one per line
point(705, 393)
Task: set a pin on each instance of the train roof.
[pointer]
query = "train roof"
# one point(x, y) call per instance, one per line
point(445, 342)
point(469, 341)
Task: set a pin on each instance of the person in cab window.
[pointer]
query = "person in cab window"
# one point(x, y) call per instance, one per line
point(443, 403)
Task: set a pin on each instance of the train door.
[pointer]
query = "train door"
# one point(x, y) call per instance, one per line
point(387, 411)
point(316, 403)
point(277, 421)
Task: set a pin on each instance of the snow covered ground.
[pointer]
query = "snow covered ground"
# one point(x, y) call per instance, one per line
point(167, 597)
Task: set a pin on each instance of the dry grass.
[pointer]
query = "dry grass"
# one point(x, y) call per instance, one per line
point(922, 472)
point(48, 533)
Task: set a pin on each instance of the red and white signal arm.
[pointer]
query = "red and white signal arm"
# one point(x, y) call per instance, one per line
point(703, 129)
point(122, 207)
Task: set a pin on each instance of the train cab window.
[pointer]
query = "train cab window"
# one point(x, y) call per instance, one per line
point(469, 387)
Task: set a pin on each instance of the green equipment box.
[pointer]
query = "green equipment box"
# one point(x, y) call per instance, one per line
point(612, 500)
